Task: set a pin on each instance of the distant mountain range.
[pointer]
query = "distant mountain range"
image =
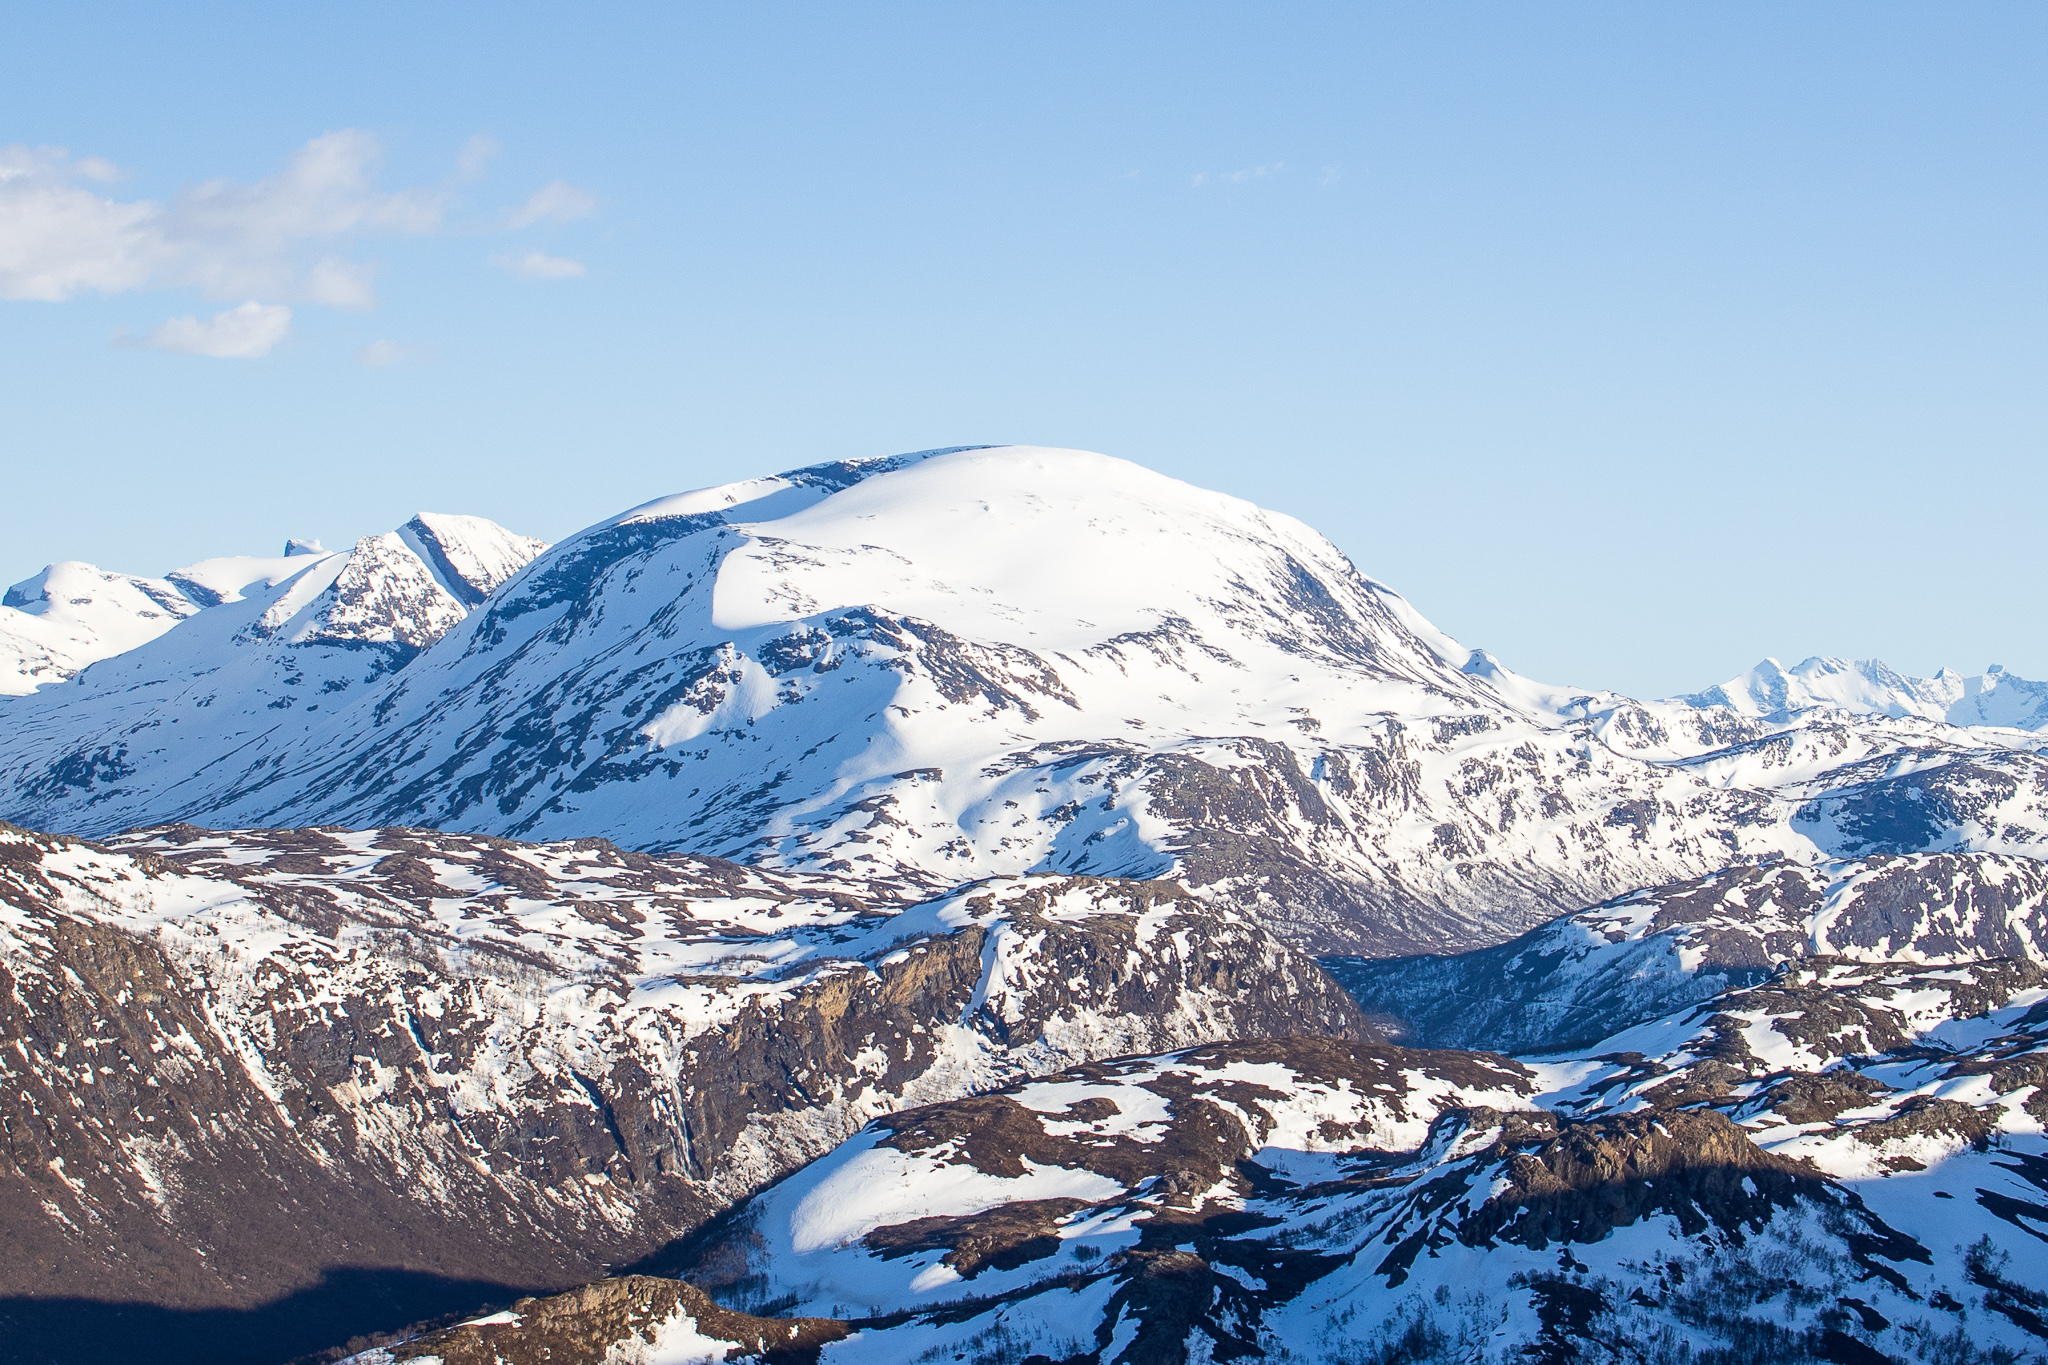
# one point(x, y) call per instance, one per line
point(1867, 687)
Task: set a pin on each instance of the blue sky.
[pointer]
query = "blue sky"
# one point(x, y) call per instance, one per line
point(1631, 342)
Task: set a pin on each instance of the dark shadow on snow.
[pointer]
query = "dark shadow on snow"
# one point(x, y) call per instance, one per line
point(347, 1305)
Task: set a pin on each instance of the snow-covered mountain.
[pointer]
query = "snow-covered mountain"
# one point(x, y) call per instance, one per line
point(70, 614)
point(1868, 687)
point(984, 662)
point(270, 648)
point(1038, 771)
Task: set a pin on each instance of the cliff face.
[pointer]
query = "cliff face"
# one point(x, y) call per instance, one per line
point(242, 1063)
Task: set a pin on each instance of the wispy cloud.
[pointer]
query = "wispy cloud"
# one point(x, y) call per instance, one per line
point(245, 333)
point(477, 153)
point(538, 265)
point(340, 283)
point(59, 237)
point(557, 202)
point(1270, 169)
point(383, 354)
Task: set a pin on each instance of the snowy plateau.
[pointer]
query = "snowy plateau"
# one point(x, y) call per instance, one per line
point(998, 905)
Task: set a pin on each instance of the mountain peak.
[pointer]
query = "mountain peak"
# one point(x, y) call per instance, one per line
point(59, 621)
point(470, 557)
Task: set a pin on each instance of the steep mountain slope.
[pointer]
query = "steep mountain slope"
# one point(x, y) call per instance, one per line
point(1846, 1165)
point(312, 1083)
point(1583, 976)
point(70, 614)
point(1867, 686)
point(959, 664)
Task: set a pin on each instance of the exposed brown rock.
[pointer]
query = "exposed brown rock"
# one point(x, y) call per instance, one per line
point(1925, 1116)
point(1004, 1237)
point(350, 1156)
point(606, 1321)
point(1819, 1098)
point(1600, 1174)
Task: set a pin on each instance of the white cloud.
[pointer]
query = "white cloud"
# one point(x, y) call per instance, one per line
point(59, 237)
point(379, 354)
point(288, 237)
point(243, 333)
point(556, 202)
point(538, 265)
point(340, 283)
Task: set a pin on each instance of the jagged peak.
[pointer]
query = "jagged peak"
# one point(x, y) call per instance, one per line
point(471, 557)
